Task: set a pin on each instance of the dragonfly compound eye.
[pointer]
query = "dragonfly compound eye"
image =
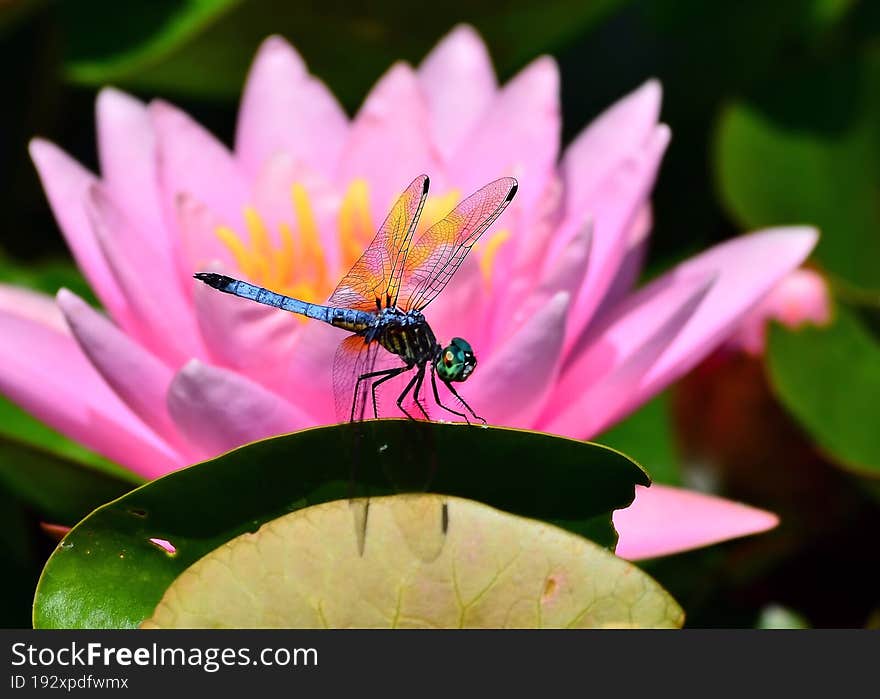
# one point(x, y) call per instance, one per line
point(457, 361)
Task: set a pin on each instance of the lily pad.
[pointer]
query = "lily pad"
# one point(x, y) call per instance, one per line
point(113, 567)
point(430, 562)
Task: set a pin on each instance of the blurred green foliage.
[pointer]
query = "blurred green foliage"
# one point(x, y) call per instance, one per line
point(786, 157)
point(829, 378)
point(203, 47)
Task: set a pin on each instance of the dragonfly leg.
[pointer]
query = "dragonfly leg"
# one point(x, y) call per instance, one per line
point(420, 377)
point(406, 390)
point(385, 374)
point(388, 374)
point(464, 402)
point(439, 402)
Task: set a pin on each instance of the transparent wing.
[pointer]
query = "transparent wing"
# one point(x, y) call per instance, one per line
point(439, 251)
point(355, 357)
point(374, 279)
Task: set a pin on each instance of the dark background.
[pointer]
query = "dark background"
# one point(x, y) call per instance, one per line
point(775, 119)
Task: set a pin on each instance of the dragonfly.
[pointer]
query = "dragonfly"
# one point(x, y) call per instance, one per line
point(382, 299)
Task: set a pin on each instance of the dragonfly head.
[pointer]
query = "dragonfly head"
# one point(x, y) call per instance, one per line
point(456, 361)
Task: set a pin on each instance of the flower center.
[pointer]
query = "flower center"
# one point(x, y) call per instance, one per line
point(293, 262)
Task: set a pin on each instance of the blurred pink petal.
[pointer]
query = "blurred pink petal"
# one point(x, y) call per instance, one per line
point(747, 268)
point(633, 261)
point(219, 410)
point(801, 297)
point(606, 142)
point(514, 382)
point(566, 274)
point(192, 161)
point(80, 405)
point(459, 84)
point(255, 340)
point(664, 520)
point(621, 197)
point(285, 109)
point(127, 153)
point(138, 378)
point(66, 184)
point(389, 141)
point(518, 135)
point(198, 239)
point(31, 305)
point(161, 320)
point(598, 387)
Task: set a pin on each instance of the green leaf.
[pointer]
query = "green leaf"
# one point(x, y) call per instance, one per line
point(204, 47)
point(18, 426)
point(61, 490)
point(808, 151)
point(431, 562)
point(107, 573)
point(47, 276)
point(647, 436)
point(829, 379)
point(130, 43)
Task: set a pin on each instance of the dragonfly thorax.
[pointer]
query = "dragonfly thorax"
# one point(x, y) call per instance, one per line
point(406, 334)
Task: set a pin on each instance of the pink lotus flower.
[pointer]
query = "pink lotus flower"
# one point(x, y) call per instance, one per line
point(178, 372)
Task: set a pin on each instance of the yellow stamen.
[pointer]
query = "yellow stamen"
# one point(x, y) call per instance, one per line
point(287, 267)
point(355, 222)
point(487, 250)
point(239, 251)
point(313, 258)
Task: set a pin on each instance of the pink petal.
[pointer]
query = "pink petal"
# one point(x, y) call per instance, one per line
point(610, 138)
point(518, 135)
point(252, 339)
point(632, 264)
point(389, 141)
point(510, 388)
point(747, 268)
point(199, 243)
point(127, 152)
point(138, 377)
point(66, 184)
point(802, 296)
point(32, 305)
point(192, 161)
point(566, 274)
point(663, 520)
point(596, 386)
point(286, 109)
point(620, 198)
point(273, 199)
point(459, 84)
point(43, 370)
point(218, 410)
point(164, 323)
point(309, 371)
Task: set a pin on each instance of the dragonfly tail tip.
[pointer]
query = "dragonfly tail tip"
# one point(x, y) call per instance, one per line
point(211, 279)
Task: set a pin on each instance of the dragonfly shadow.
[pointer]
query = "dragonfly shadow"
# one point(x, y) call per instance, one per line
point(397, 461)
point(401, 460)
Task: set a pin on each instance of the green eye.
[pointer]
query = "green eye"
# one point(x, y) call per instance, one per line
point(456, 361)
